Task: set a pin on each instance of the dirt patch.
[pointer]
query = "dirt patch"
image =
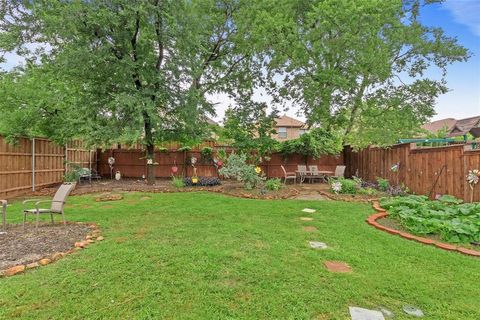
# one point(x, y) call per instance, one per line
point(20, 246)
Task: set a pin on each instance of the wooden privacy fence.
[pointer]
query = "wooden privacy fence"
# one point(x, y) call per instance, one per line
point(430, 171)
point(131, 163)
point(37, 162)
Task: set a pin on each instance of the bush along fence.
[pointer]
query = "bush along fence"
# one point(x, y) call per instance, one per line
point(131, 162)
point(431, 171)
point(34, 163)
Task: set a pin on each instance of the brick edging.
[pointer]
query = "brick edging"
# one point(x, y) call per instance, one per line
point(92, 236)
point(382, 213)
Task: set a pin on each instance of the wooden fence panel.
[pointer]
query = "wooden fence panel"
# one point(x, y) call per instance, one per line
point(432, 171)
point(16, 163)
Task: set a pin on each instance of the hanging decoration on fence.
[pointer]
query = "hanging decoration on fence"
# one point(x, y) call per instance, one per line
point(473, 177)
point(174, 168)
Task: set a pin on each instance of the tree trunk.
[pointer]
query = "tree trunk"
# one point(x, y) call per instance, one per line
point(150, 144)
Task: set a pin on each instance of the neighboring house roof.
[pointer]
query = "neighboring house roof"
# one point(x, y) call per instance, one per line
point(438, 125)
point(464, 126)
point(286, 121)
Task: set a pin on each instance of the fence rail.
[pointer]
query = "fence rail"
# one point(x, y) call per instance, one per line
point(431, 171)
point(35, 163)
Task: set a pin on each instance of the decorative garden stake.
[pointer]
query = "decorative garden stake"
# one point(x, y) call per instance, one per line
point(395, 168)
point(193, 160)
point(111, 162)
point(337, 187)
point(473, 177)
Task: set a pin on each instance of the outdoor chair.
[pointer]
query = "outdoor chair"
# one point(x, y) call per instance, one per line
point(315, 173)
point(303, 173)
point(88, 174)
point(289, 175)
point(339, 172)
point(57, 205)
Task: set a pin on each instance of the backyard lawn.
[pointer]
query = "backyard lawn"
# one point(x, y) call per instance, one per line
point(208, 256)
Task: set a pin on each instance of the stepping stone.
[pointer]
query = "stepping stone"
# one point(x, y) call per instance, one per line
point(387, 313)
point(306, 219)
point(413, 311)
point(309, 210)
point(337, 266)
point(318, 245)
point(365, 314)
point(309, 229)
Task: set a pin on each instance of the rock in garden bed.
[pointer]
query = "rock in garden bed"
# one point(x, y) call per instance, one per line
point(22, 247)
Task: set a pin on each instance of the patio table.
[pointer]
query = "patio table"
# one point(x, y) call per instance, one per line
point(321, 174)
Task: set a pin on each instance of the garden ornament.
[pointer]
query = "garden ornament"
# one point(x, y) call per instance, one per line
point(473, 177)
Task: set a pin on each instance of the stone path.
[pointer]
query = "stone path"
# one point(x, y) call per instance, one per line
point(318, 245)
point(365, 314)
point(306, 219)
point(337, 266)
point(310, 229)
point(307, 210)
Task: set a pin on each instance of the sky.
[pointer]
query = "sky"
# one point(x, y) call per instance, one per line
point(458, 18)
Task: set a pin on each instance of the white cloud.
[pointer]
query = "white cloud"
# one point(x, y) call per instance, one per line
point(466, 12)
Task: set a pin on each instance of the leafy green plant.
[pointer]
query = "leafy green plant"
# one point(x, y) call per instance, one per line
point(178, 182)
point(207, 155)
point(367, 191)
point(273, 184)
point(448, 217)
point(238, 168)
point(74, 172)
point(222, 154)
point(383, 184)
point(345, 186)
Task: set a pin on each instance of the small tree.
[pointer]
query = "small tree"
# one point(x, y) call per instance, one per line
point(250, 126)
point(314, 143)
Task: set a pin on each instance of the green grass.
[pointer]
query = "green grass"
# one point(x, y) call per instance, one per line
point(207, 256)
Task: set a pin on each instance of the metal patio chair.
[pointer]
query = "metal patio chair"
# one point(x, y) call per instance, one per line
point(56, 207)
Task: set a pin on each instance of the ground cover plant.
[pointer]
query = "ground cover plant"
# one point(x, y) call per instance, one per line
point(206, 256)
point(447, 217)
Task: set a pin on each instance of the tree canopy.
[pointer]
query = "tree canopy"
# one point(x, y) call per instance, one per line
point(119, 70)
point(363, 68)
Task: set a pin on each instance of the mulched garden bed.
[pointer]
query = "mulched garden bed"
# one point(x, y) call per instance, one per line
point(228, 187)
point(21, 247)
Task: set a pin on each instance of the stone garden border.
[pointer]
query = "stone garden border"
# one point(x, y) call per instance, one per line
point(382, 213)
point(91, 237)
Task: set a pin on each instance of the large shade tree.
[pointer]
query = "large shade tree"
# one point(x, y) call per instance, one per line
point(120, 70)
point(365, 68)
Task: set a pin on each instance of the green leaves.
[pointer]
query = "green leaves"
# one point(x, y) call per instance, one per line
point(314, 143)
point(447, 217)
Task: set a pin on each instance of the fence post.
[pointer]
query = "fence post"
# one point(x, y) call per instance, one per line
point(66, 158)
point(33, 164)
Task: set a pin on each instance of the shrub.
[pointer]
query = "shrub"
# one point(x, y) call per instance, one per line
point(383, 184)
point(202, 181)
point(367, 191)
point(238, 168)
point(345, 186)
point(177, 182)
point(273, 184)
point(73, 173)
